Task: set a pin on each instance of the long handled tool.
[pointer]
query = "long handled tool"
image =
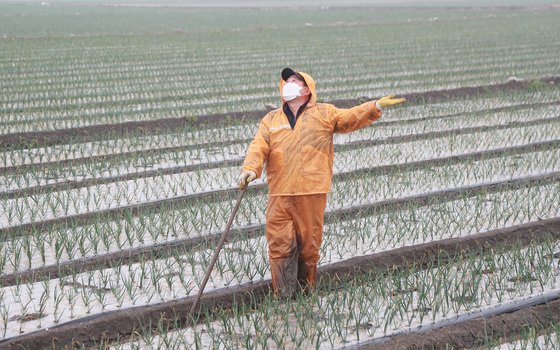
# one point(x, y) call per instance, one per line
point(222, 241)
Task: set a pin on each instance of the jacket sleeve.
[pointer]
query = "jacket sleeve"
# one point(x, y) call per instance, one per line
point(354, 118)
point(258, 149)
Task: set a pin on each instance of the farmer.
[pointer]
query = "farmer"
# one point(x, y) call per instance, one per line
point(296, 143)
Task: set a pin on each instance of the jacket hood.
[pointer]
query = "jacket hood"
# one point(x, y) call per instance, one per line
point(310, 84)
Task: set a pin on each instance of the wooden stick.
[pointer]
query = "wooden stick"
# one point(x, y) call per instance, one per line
point(216, 253)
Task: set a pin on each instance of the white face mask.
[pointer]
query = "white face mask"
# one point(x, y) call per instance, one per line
point(291, 91)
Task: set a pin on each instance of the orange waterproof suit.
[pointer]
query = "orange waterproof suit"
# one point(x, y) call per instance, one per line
point(299, 168)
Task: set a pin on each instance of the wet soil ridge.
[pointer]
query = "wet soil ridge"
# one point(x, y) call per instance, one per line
point(88, 133)
point(90, 331)
point(472, 333)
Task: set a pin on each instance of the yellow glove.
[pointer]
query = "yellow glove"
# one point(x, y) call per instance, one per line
point(389, 101)
point(245, 178)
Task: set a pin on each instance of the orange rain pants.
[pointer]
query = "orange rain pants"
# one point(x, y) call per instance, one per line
point(294, 230)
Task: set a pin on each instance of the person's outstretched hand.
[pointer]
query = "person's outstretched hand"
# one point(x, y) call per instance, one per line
point(390, 100)
point(245, 178)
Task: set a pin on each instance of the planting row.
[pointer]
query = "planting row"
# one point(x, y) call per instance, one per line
point(141, 19)
point(153, 78)
point(157, 158)
point(26, 307)
point(218, 137)
point(118, 169)
point(94, 198)
point(117, 238)
point(381, 130)
point(371, 306)
point(91, 80)
point(511, 97)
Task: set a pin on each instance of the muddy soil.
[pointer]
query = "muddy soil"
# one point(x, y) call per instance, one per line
point(118, 324)
point(472, 334)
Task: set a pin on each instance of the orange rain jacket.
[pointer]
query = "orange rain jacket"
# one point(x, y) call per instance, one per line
point(300, 161)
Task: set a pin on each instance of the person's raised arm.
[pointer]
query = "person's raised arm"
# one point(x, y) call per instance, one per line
point(360, 116)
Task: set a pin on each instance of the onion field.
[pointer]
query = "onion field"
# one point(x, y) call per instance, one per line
point(124, 125)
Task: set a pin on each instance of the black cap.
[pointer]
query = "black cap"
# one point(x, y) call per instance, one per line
point(288, 72)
